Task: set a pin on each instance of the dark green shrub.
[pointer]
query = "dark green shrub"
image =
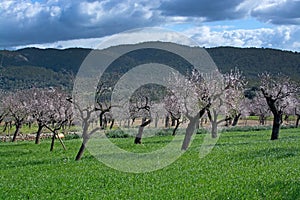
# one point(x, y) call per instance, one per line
point(246, 128)
point(71, 136)
point(117, 133)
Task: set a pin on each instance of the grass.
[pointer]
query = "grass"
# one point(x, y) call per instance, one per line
point(242, 165)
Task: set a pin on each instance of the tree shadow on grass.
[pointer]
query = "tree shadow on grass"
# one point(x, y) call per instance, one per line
point(279, 190)
point(225, 144)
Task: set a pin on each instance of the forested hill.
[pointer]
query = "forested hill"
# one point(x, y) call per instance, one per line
point(50, 67)
point(54, 59)
point(253, 61)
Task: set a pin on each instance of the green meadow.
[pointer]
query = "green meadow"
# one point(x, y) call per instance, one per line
point(242, 165)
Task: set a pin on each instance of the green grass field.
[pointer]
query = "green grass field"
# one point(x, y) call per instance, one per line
point(243, 165)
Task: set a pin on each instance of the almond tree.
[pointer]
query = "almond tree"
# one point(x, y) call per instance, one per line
point(40, 100)
point(86, 114)
point(4, 114)
point(277, 91)
point(191, 95)
point(140, 107)
point(173, 108)
point(242, 109)
point(103, 102)
point(87, 110)
point(158, 111)
point(297, 112)
point(291, 108)
point(260, 108)
point(297, 109)
point(59, 114)
point(212, 93)
point(3, 111)
point(225, 95)
point(237, 103)
point(18, 108)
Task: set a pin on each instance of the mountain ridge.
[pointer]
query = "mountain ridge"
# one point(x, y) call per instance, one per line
point(251, 61)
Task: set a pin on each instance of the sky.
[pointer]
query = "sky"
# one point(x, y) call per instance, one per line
point(211, 23)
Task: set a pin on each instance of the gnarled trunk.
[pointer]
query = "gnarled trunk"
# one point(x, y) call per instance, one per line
point(191, 128)
point(167, 122)
point(297, 120)
point(17, 131)
point(138, 137)
point(80, 152)
point(101, 120)
point(52, 141)
point(189, 132)
point(276, 126)
point(38, 133)
point(214, 129)
point(236, 119)
point(262, 119)
point(86, 136)
point(176, 127)
point(112, 124)
point(82, 148)
point(173, 121)
point(214, 123)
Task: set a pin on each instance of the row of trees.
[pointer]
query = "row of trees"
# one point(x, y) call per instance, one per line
point(47, 108)
point(223, 95)
point(218, 97)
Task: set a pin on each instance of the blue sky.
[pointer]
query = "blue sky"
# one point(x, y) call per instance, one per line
point(83, 23)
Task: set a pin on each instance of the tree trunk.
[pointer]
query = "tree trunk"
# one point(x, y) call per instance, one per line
point(297, 121)
point(176, 127)
point(236, 119)
point(17, 131)
point(138, 137)
point(276, 126)
point(214, 129)
point(104, 123)
point(189, 132)
point(214, 122)
point(112, 124)
point(167, 122)
point(80, 152)
point(262, 119)
point(38, 133)
point(191, 127)
point(214, 125)
point(86, 135)
point(173, 121)
point(101, 120)
point(52, 141)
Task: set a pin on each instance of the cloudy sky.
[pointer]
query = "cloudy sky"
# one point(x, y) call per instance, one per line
point(83, 23)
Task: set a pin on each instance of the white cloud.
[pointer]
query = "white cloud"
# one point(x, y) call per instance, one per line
point(29, 22)
point(130, 37)
point(282, 37)
point(59, 23)
point(281, 12)
point(278, 37)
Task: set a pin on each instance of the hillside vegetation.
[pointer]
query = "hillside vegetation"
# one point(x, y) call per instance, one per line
point(52, 67)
